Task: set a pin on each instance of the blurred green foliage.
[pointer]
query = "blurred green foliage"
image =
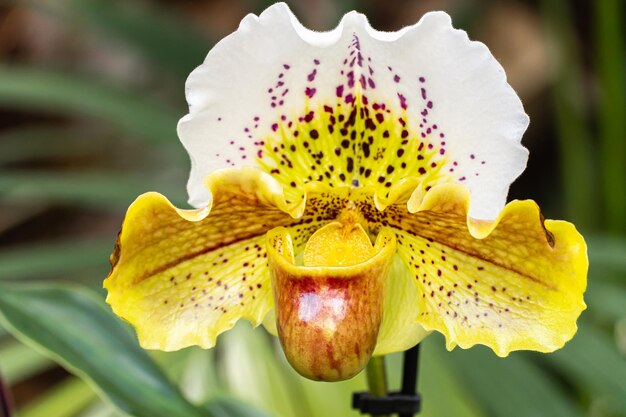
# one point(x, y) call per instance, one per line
point(66, 178)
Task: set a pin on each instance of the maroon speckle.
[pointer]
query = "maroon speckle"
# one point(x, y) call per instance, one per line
point(310, 92)
point(402, 101)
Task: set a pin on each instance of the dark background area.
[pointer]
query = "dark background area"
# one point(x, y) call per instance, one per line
point(90, 93)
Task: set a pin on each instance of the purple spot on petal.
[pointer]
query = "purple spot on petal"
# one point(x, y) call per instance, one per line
point(402, 101)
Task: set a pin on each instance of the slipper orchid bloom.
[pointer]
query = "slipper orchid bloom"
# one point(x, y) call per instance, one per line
point(350, 190)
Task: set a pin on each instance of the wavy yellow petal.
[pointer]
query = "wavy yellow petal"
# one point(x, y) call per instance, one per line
point(513, 283)
point(182, 277)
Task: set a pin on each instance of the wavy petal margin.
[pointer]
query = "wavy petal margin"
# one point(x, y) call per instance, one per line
point(513, 283)
point(355, 107)
point(182, 277)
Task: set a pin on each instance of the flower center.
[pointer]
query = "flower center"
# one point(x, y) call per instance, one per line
point(338, 244)
point(329, 309)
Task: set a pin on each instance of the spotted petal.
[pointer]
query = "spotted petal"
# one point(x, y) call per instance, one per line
point(513, 283)
point(355, 107)
point(181, 277)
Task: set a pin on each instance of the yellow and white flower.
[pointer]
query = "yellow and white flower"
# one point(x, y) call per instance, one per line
point(350, 188)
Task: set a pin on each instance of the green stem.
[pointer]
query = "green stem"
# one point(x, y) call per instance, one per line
point(376, 376)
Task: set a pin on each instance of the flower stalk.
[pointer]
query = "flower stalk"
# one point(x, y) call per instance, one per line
point(377, 376)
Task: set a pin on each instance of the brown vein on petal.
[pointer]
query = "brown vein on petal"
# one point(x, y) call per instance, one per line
point(487, 260)
point(156, 271)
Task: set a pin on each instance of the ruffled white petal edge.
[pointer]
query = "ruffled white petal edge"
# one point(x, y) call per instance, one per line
point(434, 67)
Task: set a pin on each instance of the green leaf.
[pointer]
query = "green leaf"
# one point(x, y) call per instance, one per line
point(608, 252)
point(606, 300)
point(64, 400)
point(102, 190)
point(199, 380)
point(591, 360)
point(78, 330)
point(226, 407)
point(69, 94)
point(514, 383)
point(252, 373)
point(19, 362)
point(55, 258)
point(100, 409)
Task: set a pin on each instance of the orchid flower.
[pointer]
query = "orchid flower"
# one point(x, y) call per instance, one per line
point(350, 189)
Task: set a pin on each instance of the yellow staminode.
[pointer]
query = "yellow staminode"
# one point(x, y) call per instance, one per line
point(338, 244)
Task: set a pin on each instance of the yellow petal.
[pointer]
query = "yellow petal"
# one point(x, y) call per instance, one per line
point(514, 283)
point(399, 330)
point(182, 277)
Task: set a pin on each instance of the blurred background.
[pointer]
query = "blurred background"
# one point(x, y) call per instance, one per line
point(90, 94)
